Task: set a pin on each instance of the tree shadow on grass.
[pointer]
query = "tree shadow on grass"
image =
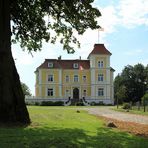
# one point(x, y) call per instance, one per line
point(67, 138)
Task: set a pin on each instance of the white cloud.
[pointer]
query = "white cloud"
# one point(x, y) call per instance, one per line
point(133, 13)
point(109, 19)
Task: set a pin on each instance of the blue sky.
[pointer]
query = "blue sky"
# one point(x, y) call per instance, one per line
point(125, 35)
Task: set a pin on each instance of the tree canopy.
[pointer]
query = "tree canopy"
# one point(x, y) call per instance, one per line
point(25, 89)
point(35, 20)
point(31, 22)
point(131, 84)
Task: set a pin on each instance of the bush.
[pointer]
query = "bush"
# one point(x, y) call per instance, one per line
point(96, 104)
point(79, 104)
point(46, 103)
point(100, 103)
point(58, 103)
point(145, 99)
point(126, 106)
point(93, 103)
point(50, 103)
point(37, 103)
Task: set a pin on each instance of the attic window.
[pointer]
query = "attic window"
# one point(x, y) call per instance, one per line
point(50, 64)
point(75, 65)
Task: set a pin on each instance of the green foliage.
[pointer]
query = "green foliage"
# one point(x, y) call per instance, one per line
point(126, 106)
point(79, 104)
point(63, 127)
point(96, 104)
point(145, 99)
point(25, 89)
point(35, 20)
point(50, 103)
point(130, 84)
point(121, 94)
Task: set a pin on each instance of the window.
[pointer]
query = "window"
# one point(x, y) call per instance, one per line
point(75, 65)
point(84, 78)
point(50, 64)
point(50, 92)
point(67, 93)
point(50, 78)
point(84, 92)
point(100, 64)
point(67, 79)
point(100, 92)
point(100, 77)
point(75, 78)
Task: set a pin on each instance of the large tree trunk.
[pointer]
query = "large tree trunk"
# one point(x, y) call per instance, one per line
point(12, 104)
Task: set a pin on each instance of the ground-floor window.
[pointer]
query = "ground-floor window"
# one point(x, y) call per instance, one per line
point(84, 92)
point(50, 92)
point(67, 92)
point(100, 92)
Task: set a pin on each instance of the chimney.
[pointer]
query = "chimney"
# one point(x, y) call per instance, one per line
point(59, 58)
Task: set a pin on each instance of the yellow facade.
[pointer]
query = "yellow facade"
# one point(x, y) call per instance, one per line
point(91, 79)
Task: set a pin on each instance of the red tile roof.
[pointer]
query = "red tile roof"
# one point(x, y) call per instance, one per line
point(100, 49)
point(65, 64)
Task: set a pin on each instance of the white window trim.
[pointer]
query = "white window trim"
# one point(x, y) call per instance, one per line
point(53, 92)
point(67, 93)
point(85, 78)
point(74, 78)
point(66, 78)
point(85, 92)
point(50, 65)
point(101, 92)
point(100, 77)
point(100, 64)
point(48, 77)
point(75, 65)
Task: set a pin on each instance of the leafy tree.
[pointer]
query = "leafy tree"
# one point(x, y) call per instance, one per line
point(132, 78)
point(25, 89)
point(27, 18)
point(121, 94)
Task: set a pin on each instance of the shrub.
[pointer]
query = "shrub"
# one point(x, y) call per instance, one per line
point(36, 103)
point(126, 106)
point(46, 103)
point(50, 103)
point(92, 103)
point(145, 99)
point(100, 103)
point(79, 104)
point(96, 104)
point(58, 103)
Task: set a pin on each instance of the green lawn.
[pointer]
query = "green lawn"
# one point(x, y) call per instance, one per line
point(63, 127)
point(133, 111)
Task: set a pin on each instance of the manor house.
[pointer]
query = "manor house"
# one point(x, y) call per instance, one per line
point(72, 80)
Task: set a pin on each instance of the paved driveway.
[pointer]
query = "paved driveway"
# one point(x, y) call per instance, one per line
point(107, 112)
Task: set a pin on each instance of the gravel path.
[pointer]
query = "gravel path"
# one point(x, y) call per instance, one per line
point(109, 113)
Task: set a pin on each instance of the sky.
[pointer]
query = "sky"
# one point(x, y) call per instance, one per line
point(125, 35)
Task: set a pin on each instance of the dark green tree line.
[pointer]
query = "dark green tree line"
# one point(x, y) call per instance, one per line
point(131, 84)
point(30, 29)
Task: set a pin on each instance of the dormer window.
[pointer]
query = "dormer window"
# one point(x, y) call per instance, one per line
point(50, 64)
point(75, 65)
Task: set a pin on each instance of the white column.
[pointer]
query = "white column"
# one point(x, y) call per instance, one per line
point(93, 83)
point(60, 82)
point(40, 90)
point(40, 76)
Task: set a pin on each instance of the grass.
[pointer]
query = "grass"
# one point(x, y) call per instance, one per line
point(133, 111)
point(63, 127)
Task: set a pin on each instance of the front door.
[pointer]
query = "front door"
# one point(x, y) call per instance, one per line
point(76, 94)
